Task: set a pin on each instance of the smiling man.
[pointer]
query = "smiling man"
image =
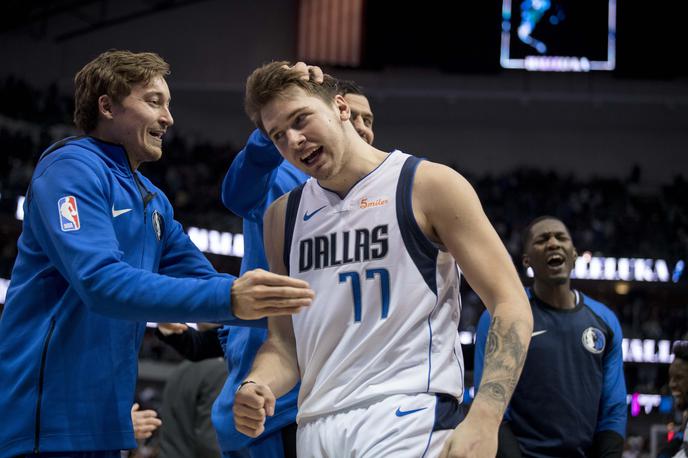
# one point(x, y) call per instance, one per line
point(678, 384)
point(257, 177)
point(379, 235)
point(571, 398)
point(99, 255)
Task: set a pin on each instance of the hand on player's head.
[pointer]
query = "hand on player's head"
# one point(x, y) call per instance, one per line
point(259, 294)
point(252, 404)
point(308, 72)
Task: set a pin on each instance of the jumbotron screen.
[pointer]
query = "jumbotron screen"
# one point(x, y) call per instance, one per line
point(559, 35)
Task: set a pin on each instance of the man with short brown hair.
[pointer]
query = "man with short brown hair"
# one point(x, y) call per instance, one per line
point(99, 255)
point(112, 73)
point(258, 176)
point(379, 236)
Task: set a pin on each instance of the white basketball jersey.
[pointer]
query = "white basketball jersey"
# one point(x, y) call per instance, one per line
point(385, 317)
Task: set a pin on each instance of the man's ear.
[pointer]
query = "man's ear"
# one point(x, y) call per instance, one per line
point(342, 107)
point(525, 260)
point(105, 106)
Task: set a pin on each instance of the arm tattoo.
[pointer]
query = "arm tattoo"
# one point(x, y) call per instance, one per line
point(504, 357)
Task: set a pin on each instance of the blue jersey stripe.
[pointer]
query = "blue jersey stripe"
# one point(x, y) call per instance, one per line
point(429, 353)
point(421, 250)
point(448, 412)
point(290, 221)
point(427, 446)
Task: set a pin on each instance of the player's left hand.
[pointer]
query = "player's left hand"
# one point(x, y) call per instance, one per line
point(471, 439)
point(252, 404)
point(144, 421)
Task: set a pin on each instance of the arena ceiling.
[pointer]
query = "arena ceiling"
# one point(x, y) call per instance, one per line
point(60, 20)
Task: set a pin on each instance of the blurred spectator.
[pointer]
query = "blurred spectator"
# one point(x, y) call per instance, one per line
point(678, 383)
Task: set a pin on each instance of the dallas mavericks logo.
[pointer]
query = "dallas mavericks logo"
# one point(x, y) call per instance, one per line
point(593, 340)
point(158, 225)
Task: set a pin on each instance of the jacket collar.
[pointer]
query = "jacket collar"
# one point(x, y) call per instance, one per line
point(111, 152)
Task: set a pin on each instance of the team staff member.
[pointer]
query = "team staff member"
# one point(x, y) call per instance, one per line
point(100, 253)
point(571, 398)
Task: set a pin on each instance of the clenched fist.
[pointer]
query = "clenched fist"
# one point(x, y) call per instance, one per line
point(252, 404)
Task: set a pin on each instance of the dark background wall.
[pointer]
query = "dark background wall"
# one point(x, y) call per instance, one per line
point(432, 76)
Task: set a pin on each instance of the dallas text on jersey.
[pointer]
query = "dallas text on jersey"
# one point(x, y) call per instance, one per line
point(357, 245)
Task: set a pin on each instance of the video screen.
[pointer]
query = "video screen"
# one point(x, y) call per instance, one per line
point(559, 35)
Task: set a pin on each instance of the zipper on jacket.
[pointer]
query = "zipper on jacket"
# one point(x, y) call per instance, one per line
point(41, 374)
point(146, 195)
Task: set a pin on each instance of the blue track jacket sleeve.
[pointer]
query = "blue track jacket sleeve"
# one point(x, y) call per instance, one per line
point(181, 258)
point(92, 260)
point(612, 416)
point(479, 354)
point(250, 177)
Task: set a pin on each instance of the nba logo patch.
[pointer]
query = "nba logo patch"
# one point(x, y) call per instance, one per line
point(69, 214)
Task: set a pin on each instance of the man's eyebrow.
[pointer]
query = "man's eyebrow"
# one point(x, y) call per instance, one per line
point(548, 233)
point(289, 117)
point(157, 94)
point(363, 114)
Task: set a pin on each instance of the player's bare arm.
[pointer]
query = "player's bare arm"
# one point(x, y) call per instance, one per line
point(449, 212)
point(275, 370)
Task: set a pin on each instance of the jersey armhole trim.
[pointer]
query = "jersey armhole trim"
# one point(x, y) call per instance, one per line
point(421, 250)
point(290, 222)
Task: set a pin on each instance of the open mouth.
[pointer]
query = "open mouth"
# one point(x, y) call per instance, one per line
point(310, 158)
point(156, 134)
point(555, 260)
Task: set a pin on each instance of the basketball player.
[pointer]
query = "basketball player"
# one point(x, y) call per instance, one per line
point(377, 235)
point(256, 178)
point(571, 398)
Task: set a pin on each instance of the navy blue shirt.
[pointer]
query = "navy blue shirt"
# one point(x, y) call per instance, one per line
point(572, 385)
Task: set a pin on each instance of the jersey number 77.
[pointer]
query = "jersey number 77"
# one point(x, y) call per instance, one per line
point(370, 274)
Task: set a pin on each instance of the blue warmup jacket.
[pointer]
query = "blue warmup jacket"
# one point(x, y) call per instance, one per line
point(572, 385)
point(257, 177)
point(97, 256)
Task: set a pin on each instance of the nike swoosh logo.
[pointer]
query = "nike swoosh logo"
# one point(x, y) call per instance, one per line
point(537, 333)
point(306, 216)
point(402, 413)
point(116, 213)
